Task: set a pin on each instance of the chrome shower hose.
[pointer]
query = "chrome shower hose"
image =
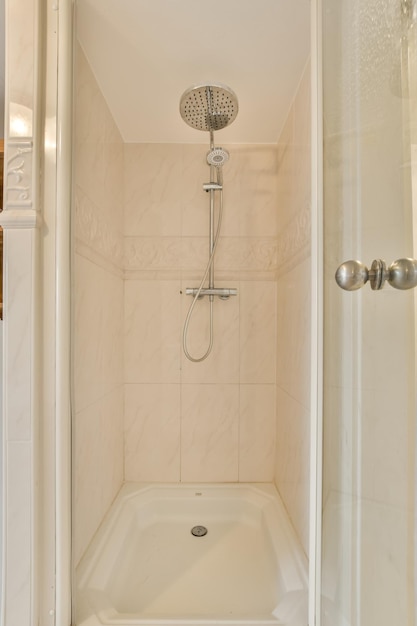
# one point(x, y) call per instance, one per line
point(193, 303)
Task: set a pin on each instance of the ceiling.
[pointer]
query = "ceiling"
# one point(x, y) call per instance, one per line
point(146, 53)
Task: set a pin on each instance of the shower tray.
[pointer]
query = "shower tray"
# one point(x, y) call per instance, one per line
point(192, 555)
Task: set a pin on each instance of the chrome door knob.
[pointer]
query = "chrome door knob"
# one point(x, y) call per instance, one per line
point(352, 275)
point(401, 274)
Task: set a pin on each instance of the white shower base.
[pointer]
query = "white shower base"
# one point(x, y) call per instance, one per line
point(145, 568)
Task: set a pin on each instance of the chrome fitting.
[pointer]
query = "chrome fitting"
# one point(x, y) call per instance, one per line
point(212, 187)
point(223, 293)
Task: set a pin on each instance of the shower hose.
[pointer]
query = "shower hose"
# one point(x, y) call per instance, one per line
point(197, 294)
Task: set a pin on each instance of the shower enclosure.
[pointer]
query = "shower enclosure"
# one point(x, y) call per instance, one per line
point(144, 231)
point(362, 547)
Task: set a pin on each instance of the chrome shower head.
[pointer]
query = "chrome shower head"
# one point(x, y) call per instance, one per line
point(209, 107)
point(217, 157)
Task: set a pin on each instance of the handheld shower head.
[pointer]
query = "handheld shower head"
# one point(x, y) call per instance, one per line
point(217, 157)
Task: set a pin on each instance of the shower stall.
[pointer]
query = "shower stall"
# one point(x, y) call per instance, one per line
point(141, 486)
point(178, 260)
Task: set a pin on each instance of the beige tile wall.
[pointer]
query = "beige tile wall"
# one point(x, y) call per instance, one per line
point(214, 420)
point(98, 309)
point(143, 411)
point(293, 312)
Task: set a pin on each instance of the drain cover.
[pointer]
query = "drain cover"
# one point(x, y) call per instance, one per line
point(199, 531)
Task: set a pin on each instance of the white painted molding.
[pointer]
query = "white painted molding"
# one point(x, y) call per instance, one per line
point(18, 174)
point(20, 218)
point(21, 295)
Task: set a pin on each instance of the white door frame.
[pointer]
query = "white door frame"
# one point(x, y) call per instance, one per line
point(36, 359)
point(317, 333)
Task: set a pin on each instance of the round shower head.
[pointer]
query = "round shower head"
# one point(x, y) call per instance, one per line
point(209, 107)
point(217, 157)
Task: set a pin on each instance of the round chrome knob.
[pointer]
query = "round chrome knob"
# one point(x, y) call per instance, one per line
point(402, 274)
point(352, 275)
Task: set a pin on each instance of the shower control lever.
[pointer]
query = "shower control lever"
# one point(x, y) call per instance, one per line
point(222, 292)
point(401, 274)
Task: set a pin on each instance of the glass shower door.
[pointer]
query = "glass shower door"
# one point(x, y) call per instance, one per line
point(370, 213)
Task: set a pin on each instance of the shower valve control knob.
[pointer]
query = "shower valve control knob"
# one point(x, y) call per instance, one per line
point(401, 274)
point(223, 292)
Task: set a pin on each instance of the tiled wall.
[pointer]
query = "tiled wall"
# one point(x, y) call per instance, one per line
point(143, 411)
point(98, 308)
point(215, 420)
point(293, 312)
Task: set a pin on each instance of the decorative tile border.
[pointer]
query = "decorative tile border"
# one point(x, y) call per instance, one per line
point(245, 256)
point(92, 231)
point(185, 254)
point(153, 253)
point(293, 244)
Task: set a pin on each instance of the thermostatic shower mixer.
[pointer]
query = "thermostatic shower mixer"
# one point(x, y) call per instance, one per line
point(401, 274)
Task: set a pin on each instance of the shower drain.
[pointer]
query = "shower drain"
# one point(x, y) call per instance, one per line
point(199, 531)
